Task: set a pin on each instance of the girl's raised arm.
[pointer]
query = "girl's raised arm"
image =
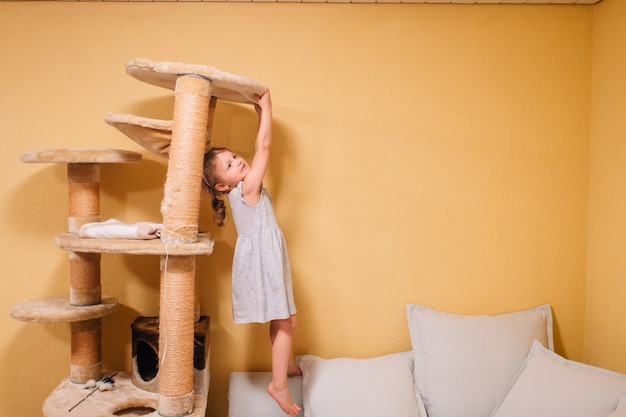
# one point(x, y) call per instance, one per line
point(254, 179)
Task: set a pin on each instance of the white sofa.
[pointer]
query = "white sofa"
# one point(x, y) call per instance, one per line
point(459, 366)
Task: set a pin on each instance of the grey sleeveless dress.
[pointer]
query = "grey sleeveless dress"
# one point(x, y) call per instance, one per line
point(262, 286)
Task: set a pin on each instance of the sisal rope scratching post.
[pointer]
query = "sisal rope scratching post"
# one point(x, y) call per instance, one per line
point(85, 279)
point(84, 207)
point(176, 330)
point(180, 209)
point(84, 192)
point(85, 289)
point(86, 350)
point(181, 202)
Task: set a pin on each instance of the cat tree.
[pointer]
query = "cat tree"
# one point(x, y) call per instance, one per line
point(179, 336)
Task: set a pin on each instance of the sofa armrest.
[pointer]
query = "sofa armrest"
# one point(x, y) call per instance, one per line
point(248, 397)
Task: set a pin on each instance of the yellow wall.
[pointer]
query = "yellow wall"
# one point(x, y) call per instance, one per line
point(605, 337)
point(429, 154)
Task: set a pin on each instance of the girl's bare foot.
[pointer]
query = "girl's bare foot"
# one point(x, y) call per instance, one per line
point(283, 398)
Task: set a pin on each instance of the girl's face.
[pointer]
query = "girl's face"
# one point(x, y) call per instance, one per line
point(230, 169)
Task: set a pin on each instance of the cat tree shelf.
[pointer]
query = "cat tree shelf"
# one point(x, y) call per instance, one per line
point(153, 134)
point(223, 85)
point(59, 310)
point(72, 242)
point(80, 156)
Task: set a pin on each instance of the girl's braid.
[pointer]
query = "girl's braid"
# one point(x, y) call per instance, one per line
point(208, 183)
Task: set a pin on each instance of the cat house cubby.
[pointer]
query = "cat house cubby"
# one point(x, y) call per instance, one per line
point(170, 375)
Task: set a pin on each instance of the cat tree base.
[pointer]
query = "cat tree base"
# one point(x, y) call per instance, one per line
point(125, 400)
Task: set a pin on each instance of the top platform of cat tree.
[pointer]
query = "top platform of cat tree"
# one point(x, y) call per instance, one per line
point(80, 156)
point(225, 86)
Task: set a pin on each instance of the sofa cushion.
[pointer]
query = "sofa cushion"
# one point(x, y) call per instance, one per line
point(374, 387)
point(464, 363)
point(248, 397)
point(549, 385)
point(620, 411)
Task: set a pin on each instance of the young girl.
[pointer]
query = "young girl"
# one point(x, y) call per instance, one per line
point(262, 288)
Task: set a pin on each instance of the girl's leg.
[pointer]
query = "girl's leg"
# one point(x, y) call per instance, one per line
point(292, 368)
point(281, 335)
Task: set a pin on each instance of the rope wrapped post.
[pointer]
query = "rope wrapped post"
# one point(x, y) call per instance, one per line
point(85, 288)
point(176, 335)
point(181, 201)
point(86, 350)
point(84, 194)
point(180, 210)
point(84, 205)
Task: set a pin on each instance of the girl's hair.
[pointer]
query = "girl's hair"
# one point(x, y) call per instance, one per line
point(209, 179)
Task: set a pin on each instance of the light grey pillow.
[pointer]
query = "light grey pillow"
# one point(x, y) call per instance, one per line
point(248, 397)
point(464, 363)
point(550, 385)
point(374, 387)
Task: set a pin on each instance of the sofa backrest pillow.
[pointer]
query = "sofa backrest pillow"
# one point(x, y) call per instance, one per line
point(550, 385)
point(464, 363)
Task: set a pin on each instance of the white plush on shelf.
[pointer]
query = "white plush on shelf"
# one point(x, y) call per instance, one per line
point(116, 229)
